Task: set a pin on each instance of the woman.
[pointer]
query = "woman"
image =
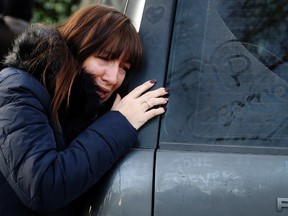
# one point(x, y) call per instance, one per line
point(53, 78)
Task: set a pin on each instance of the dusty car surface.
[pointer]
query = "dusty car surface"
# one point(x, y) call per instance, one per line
point(221, 147)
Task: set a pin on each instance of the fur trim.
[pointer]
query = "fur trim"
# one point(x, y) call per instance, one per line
point(40, 42)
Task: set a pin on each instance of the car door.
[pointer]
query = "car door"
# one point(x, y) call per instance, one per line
point(128, 188)
point(223, 141)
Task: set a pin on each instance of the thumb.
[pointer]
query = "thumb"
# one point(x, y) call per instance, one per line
point(117, 100)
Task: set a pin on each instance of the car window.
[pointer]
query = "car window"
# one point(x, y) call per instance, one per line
point(228, 76)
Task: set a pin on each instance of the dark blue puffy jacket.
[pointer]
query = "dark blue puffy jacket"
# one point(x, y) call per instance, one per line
point(44, 177)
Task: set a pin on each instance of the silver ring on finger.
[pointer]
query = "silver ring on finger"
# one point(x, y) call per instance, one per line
point(147, 104)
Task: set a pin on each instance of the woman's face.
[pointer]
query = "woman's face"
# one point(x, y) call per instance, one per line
point(107, 74)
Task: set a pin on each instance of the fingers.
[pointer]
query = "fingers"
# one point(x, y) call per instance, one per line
point(154, 112)
point(153, 102)
point(141, 105)
point(138, 91)
point(160, 92)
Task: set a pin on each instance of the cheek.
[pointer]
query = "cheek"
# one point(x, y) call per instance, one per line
point(92, 70)
point(120, 79)
point(119, 83)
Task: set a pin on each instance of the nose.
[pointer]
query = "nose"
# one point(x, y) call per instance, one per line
point(111, 74)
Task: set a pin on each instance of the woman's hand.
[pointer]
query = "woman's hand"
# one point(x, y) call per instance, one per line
point(139, 106)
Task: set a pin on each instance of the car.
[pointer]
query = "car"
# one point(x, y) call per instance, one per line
point(221, 147)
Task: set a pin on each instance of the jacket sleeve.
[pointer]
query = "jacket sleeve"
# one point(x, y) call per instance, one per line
point(44, 178)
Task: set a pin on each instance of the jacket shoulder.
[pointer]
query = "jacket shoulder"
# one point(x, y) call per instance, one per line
point(15, 82)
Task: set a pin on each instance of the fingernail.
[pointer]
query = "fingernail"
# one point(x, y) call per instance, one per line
point(153, 81)
point(167, 89)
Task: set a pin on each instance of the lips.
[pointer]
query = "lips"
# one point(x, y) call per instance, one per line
point(102, 92)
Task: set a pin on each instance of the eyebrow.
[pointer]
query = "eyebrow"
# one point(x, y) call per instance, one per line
point(112, 55)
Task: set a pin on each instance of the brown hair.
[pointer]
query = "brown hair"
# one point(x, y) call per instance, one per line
point(94, 29)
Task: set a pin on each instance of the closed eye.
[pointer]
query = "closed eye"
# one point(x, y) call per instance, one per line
point(103, 58)
point(125, 67)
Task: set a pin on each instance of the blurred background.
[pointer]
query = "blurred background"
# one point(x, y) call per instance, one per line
point(53, 11)
point(56, 11)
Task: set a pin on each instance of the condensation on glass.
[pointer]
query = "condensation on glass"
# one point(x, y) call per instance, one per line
point(228, 75)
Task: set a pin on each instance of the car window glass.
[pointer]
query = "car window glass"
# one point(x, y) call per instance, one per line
point(228, 76)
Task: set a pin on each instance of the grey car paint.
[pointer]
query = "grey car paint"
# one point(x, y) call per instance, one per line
point(127, 189)
point(197, 183)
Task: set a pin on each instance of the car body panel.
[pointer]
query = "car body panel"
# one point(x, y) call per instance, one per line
point(202, 183)
point(155, 33)
point(126, 189)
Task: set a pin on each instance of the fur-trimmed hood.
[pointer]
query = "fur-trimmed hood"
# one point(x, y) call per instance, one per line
point(40, 42)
